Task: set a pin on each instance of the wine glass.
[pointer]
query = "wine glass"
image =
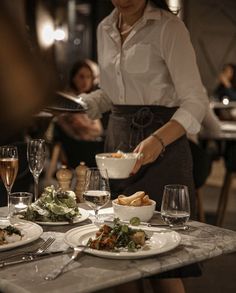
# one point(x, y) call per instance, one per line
point(8, 171)
point(36, 151)
point(175, 207)
point(96, 190)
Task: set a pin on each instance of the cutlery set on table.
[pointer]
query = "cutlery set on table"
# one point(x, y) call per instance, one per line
point(41, 252)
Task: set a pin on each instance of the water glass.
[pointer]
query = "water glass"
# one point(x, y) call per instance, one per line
point(175, 207)
point(96, 190)
point(19, 202)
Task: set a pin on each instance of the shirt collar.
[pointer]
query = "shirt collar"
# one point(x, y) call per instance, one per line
point(151, 12)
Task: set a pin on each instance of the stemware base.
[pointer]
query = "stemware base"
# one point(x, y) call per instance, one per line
point(184, 228)
point(5, 221)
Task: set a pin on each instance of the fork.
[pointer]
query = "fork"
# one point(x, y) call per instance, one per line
point(57, 272)
point(44, 246)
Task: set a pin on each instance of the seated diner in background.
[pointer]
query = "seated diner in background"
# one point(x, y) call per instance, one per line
point(88, 140)
point(225, 93)
point(226, 87)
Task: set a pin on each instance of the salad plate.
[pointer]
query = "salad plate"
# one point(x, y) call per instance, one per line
point(157, 243)
point(84, 214)
point(31, 232)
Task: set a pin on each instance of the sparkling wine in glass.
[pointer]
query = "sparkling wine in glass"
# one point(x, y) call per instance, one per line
point(175, 207)
point(96, 190)
point(36, 152)
point(8, 170)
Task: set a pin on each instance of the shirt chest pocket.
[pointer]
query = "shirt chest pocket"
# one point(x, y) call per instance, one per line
point(137, 59)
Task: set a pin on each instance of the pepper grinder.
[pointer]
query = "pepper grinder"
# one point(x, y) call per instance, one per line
point(64, 178)
point(80, 173)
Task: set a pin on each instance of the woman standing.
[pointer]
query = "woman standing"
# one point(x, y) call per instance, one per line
point(150, 82)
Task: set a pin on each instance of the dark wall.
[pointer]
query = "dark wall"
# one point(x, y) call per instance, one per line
point(82, 41)
point(212, 26)
point(100, 10)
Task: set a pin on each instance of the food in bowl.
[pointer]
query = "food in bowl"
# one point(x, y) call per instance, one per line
point(119, 165)
point(126, 212)
point(137, 199)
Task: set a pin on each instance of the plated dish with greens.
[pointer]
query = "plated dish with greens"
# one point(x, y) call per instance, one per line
point(55, 207)
point(10, 234)
point(120, 241)
point(21, 233)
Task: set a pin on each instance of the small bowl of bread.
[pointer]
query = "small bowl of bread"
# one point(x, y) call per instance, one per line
point(136, 205)
point(119, 165)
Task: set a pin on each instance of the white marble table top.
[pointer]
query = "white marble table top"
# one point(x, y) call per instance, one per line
point(91, 273)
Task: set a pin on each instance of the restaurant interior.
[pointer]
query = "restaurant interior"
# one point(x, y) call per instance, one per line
point(41, 40)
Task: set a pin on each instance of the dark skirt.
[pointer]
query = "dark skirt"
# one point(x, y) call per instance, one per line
point(128, 125)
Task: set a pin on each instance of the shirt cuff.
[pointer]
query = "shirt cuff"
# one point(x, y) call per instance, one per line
point(188, 121)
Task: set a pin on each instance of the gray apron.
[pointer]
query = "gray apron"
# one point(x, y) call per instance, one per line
point(128, 125)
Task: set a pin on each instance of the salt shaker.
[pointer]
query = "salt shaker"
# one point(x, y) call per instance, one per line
point(80, 173)
point(64, 178)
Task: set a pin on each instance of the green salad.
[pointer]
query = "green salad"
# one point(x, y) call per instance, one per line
point(53, 206)
point(118, 237)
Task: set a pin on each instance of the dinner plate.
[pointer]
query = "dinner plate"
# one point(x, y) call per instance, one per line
point(83, 216)
point(160, 240)
point(30, 230)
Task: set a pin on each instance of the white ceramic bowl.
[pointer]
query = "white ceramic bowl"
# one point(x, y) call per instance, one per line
point(125, 213)
point(117, 168)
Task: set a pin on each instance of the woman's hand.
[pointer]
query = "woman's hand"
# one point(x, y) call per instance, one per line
point(149, 149)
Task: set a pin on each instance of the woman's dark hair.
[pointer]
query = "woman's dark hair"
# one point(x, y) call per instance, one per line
point(75, 68)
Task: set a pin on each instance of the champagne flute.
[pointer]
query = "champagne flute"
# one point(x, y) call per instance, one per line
point(8, 171)
point(36, 151)
point(96, 190)
point(175, 207)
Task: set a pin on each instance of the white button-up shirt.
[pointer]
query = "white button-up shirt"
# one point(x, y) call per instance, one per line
point(155, 65)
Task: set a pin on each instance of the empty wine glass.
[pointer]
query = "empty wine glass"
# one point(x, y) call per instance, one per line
point(36, 151)
point(96, 190)
point(8, 171)
point(175, 207)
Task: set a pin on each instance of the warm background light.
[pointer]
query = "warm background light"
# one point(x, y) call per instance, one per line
point(59, 34)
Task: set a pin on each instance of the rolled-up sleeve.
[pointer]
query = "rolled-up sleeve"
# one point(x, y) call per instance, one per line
point(178, 53)
point(97, 103)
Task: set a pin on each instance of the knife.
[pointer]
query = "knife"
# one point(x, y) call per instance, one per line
point(32, 257)
point(141, 224)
